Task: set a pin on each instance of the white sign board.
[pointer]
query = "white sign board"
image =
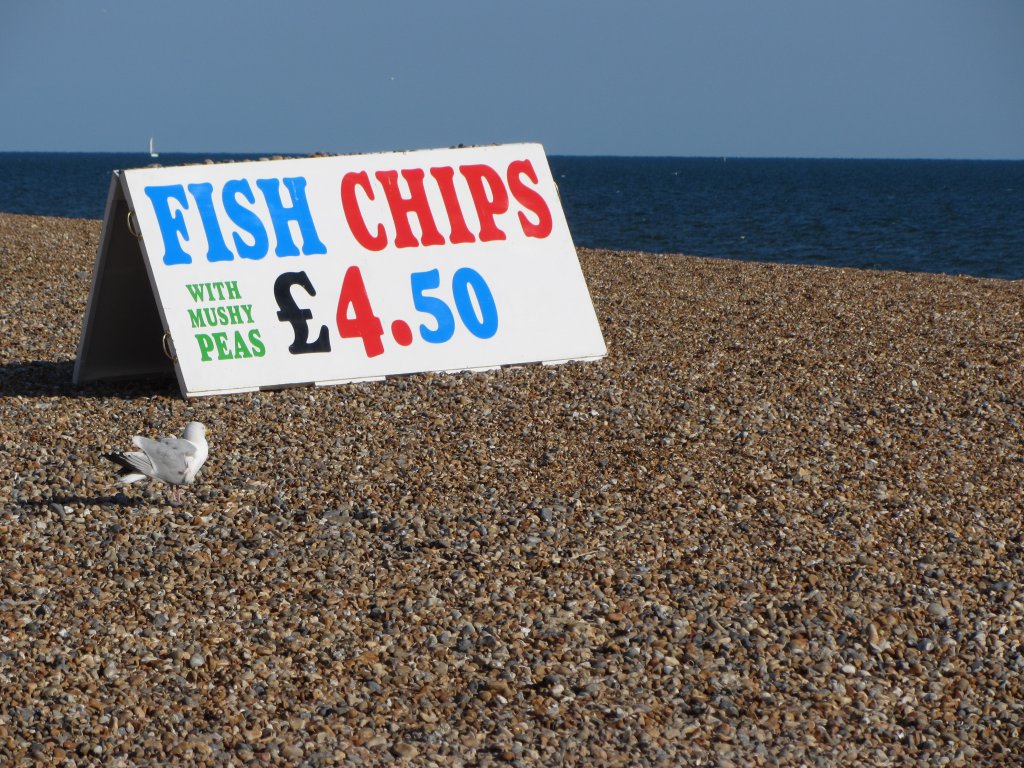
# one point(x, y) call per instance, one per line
point(331, 269)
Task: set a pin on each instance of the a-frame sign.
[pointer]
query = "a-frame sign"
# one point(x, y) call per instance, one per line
point(257, 275)
point(123, 331)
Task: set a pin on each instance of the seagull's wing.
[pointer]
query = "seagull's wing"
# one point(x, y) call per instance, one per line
point(172, 458)
point(134, 465)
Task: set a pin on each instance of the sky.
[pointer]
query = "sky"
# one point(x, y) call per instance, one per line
point(691, 78)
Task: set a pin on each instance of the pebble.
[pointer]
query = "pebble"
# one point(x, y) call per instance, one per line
point(778, 525)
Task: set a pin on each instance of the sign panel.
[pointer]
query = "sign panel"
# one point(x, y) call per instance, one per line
point(330, 269)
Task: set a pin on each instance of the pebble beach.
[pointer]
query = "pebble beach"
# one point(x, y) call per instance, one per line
point(780, 524)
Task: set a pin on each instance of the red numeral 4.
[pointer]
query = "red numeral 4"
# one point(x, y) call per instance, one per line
point(362, 324)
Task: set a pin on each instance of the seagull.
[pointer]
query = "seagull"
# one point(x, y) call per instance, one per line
point(175, 460)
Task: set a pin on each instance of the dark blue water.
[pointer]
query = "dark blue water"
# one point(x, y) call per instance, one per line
point(956, 217)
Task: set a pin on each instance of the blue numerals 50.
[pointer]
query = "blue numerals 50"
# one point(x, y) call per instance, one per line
point(480, 318)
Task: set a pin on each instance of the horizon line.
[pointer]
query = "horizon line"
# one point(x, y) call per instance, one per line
point(323, 153)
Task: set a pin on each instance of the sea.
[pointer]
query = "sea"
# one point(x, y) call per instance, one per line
point(960, 217)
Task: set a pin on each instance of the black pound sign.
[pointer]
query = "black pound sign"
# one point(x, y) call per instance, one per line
point(291, 313)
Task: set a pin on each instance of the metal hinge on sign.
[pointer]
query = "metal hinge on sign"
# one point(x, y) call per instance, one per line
point(132, 221)
point(167, 347)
